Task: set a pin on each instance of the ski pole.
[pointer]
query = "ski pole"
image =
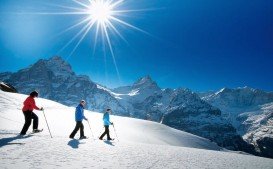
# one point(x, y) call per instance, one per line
point(47, 124)
point(115, 131)
point(91, 130)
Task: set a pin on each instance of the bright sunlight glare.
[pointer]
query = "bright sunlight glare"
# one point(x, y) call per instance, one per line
point(100, 11)
point(102, 16)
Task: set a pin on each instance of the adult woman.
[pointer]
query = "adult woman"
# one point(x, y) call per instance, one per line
point(29, 106)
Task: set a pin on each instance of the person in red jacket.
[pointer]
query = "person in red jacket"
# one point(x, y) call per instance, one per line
point(29, 105)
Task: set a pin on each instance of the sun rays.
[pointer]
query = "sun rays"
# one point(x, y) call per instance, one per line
point(101, 17)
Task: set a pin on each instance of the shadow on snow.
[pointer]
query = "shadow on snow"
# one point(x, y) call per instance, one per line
point(9, 140)
point(108, 142)
point(74, 143)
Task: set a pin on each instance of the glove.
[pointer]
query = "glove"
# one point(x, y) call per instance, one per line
point(42, 108)
point(112, 123)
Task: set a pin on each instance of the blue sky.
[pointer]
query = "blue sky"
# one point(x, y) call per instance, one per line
point(201, 45)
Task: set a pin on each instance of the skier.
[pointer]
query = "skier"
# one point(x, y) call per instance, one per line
point(106, 121)
point(79, 116)
point(29, 105)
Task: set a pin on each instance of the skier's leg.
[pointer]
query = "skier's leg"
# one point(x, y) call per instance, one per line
point(107, 132)
point(103, 134)
point(27, 115)
point(77, 127)
point(81, 130)
point(35, 120)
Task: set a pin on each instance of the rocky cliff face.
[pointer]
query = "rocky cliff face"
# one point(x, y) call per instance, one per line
point(239, 98)
point(181, 109)
point(55, 80)
point(251, 113)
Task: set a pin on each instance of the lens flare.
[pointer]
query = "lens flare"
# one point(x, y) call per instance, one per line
point(102, 16)
point(100, 11)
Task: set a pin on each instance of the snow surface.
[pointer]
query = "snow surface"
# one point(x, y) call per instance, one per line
point(142, 144)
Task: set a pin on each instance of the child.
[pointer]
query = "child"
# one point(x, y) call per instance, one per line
point(106, 121)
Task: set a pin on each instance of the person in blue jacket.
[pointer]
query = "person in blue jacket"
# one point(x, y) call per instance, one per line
point(107, 123)
point(79, 116)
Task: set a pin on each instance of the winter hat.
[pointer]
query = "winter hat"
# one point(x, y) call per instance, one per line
point(34, 94)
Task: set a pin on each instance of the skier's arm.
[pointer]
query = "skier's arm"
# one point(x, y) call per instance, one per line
point(34, 105)
point(82, 110)
point(109, 121)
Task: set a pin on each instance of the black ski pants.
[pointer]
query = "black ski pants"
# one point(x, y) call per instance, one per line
point(28, 116)
point(106, 132)
point(78, 126)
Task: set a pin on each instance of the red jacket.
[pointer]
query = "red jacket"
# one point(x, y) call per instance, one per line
point(29, 104)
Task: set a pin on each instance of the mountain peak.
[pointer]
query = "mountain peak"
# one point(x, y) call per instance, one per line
point(223, 90)
point(58, 66)
point(144, 80)
point(57, 59)
point(247, 88)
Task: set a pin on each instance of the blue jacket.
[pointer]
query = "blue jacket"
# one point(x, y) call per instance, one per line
point(106, 119)
point(79, 116)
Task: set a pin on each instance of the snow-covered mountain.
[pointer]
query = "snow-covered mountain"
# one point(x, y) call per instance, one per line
point(54, 79)
point(181, 109)
point(144, 99)
point(142, 144)
point(134, 97)
point(250, 111)
point(239, 98)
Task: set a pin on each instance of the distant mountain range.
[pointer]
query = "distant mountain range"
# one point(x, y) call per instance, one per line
point(250, 111)
point(213, 115)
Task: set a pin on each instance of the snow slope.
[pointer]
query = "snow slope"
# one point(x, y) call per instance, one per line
point(143, 144)
point(43, 152)
point(61, 122)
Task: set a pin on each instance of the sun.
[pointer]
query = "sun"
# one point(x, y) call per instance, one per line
point(100, 11)
point(101, 19)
